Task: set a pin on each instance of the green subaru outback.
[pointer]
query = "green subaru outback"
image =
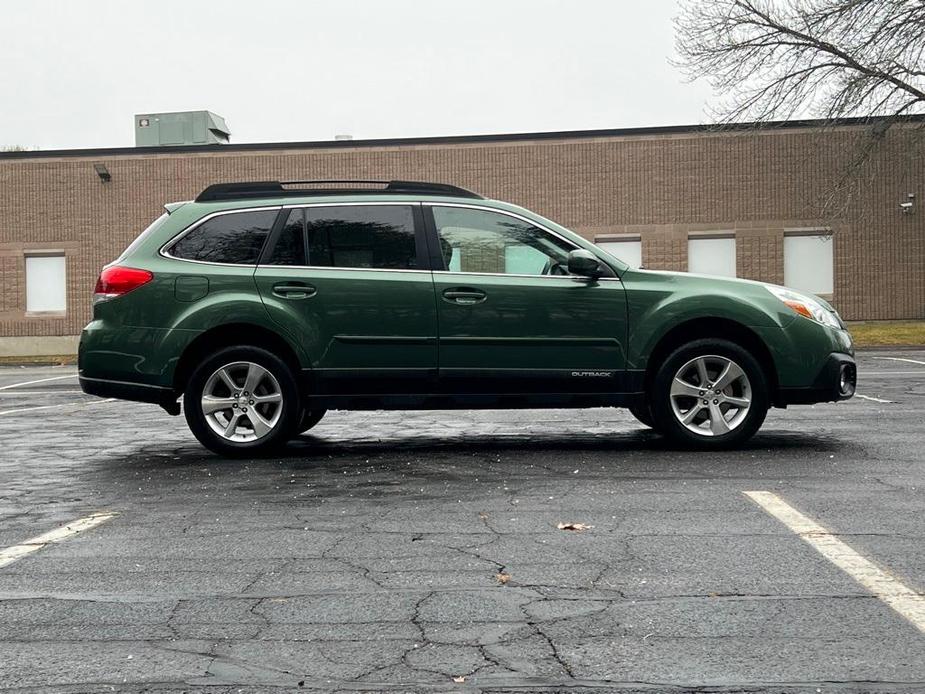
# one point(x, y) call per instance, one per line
point(263, 305)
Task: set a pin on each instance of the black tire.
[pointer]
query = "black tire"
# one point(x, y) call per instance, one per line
point(290, 408)
point(702, 404)
point(309, 419)
point(643, 414)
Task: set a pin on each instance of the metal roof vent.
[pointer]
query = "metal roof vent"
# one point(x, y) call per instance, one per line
point(180, 128)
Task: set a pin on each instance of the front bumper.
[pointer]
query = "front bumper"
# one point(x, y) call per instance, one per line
point(836, 380)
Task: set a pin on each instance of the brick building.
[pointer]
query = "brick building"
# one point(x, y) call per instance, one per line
point(754, 204)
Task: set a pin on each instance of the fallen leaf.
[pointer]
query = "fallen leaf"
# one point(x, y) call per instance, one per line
point(459, 680)
point(503, 578)
point(578, 527)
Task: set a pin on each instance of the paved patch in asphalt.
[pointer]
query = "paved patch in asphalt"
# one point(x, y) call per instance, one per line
point(368, 556)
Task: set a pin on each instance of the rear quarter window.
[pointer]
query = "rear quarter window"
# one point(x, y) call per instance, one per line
point(140, 239)
point(234, 238)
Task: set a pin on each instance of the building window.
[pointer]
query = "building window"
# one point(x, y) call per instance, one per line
point(46, 283)
point(808, 260)
point(712, 255)
point(628, 249)
point(524, 260)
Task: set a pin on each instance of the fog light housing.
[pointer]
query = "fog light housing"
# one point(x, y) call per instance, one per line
point(847, 380)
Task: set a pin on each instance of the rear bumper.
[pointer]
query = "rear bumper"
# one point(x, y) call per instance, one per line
point(123, 390)
point(130, 355)
point(836, 380)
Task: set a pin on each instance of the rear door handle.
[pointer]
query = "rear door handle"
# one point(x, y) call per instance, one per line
point(294, 290)
point(464, 296)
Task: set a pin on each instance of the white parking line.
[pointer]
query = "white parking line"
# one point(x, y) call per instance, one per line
point(11, 554)
point(911, 361)
point(63, 404)
point(20, 393)
point(41, 380)
point(869, 397)
point(890, 590)
point(917, 372)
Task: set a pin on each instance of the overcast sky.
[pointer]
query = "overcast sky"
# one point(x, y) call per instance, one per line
point(74, 72)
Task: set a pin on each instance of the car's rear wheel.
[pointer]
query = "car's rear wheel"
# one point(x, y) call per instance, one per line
point(709, 393)
point(242, 401)
point(309, 419)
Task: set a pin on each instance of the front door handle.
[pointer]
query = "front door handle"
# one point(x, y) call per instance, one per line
point(464, 296)
point(294, 290)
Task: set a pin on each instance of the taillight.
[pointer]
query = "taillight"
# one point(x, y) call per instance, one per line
point(115, 281)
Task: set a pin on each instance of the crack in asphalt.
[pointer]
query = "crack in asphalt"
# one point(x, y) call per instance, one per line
point(392, 587)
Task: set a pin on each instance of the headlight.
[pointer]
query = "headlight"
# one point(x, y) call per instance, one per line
point(806, 306)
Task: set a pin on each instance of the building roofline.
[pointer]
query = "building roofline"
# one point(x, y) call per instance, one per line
point(452, 139)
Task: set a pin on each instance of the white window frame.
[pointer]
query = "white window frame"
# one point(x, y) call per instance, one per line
point(621, 238)
point(44, 253)
point(714, 236)
point(803, 232)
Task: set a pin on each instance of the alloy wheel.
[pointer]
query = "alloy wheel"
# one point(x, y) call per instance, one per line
point(711, 395)
point(242, 401)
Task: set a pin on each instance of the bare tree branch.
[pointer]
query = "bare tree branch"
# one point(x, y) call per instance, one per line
point(778, 59)
point(774, 60)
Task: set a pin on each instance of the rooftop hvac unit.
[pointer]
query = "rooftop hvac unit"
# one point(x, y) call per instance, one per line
point(183, 128)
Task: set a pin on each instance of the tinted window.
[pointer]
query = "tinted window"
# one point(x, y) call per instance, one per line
point(482, 241)
point(290, 246)
point(228, 238)
point(361, 236)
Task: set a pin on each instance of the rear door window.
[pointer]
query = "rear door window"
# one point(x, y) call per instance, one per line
point(348, 236)
point(233, 238)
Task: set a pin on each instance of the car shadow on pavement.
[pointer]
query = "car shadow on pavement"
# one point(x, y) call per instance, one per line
point(316, 450)
point(624, 442)
point(325, 466)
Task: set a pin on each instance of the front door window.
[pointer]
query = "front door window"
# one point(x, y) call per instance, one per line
point(489, 242)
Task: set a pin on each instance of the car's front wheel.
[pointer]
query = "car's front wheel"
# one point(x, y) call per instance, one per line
point(709, 393)
point(242, 401)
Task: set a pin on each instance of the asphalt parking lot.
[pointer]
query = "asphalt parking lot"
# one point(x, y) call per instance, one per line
point(420, 551)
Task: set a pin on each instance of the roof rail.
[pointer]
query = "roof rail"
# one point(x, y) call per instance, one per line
point(278, 189)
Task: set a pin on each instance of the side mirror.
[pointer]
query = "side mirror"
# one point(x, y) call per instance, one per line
point(584, 263)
